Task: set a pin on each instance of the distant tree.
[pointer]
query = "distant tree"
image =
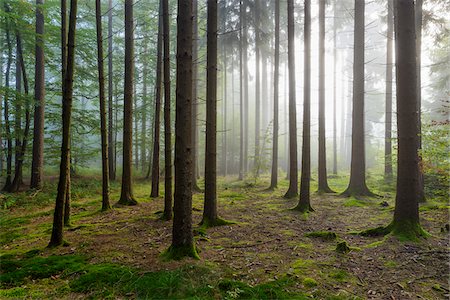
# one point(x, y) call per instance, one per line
point(388, 113)
point(242, 36)
point(126, 196)
point(334, 89)
point(37, 164)
point(293, 159)
point(323, 182)
point(103, 128)
point(304, 204)
point(156, 126)
point(276, 73)
point(182, 235)
point(111, 140)
point(357, 185)
point(257, 13)
point(57, 230)
point(167, 126)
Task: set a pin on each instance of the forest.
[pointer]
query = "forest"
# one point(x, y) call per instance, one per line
point(224, 149)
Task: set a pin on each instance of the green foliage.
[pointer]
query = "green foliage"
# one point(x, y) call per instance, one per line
point(309, 282)
point(342, 247)
point(325, 235)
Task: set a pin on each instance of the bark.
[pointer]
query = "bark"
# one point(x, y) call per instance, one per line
point(37, 164)
point(210, 203)
point(357, 185)
point(322, 172)
point(104, 131)
point(136, 113)
point(182, 236)
point(241, 93)
point(245, 82)
point(57, 230)
point(334, 93)
point(224, 157)
point(304, 204)
point(388, 112)
point(111, 140)
point(126, 197)
point(167, 127)
point(406, 214)
point(274, 174)
point(6, 108)
point(257, 89)
point(156, 138)
point(194, 95)
point(293, 160)
point(144, 106)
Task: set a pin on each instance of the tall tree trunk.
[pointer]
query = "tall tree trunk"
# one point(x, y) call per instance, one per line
point(156, 126)
point(167, 126)
point(406, 214)
point(241, 92)
point(293, 160)
point(195, 101)
point(245, 82)
point(304, 204)
point(323, 181)
point(388, 113)
point(111, 140)
point(126, 196)
point(23, 140)
point(57, 231)
point(264, 91)
point(257, 88)
point(182, 236)
point(1, 112)
point(357, 185)
point(334, 91)
point(418, 29)
point(210, 203)
point(17, 113)
point(144, 107)
point(274, 174)
point(6, 108)
point(37, 164)
point(103, 128)
point(136, 113)
point(224, 157)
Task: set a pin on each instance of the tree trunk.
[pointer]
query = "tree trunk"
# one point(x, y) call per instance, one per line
point(37, 164)
point(304, 204)
point(1, 112)
point(57, 231)
point(241, 92)
point(17, 114)
point(323, 181)
point(224, 157)
point(388, 113)
point(144, 105)
point(167, 126)
point(136, 113)
point(245, 82)
point(111, 140)
point(126, 197)
point(334, 92)
point(182, 236)
point(406, 214)
point(6, 108)
point(195, 96)
point(258, 153)
point(103, 129)
point(274, 174)
point(293, 160)
point(156, 138)
point(210, 203)
point(357, 185)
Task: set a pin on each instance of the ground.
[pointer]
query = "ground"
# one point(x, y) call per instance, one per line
point(269, 252)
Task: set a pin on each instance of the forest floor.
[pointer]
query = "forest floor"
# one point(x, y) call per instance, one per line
point(265, 254)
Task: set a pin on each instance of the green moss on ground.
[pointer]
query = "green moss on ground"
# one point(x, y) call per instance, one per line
point(180, 252)
point(325, 235)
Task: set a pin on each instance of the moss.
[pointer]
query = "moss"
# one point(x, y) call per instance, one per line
point(180, 252)
point(325, 235)
point(207, 223)
point(309, 282)
point(339, 275)
point(342, 247)
point(302, 263)
point(406, 230)
point(390, 264)
point(353, 202)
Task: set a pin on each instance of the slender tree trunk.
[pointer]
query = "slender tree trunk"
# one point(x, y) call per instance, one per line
point(264, 91)
point(357, 185)
point(406, 214)
point(241, 93)
point(323, 181)
point(225, 97)
point(136, 113)
point(182, 236)
point(57, 231)
point(304, 204)
point(245, 82)
point(388, 113)
point(37, 164)
point(418, 27)
point(1, 111)
point(144, 106)
point(334, 92)
point(18, 110)
point(293, 160)
point(210, 203)
point(257, 88)
point(103, 128)
point(167, 126)
point(111, 140)
point(156, 138)
point(6, 108)
point(126, 197)
point(274, 175)
point(195, 96)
